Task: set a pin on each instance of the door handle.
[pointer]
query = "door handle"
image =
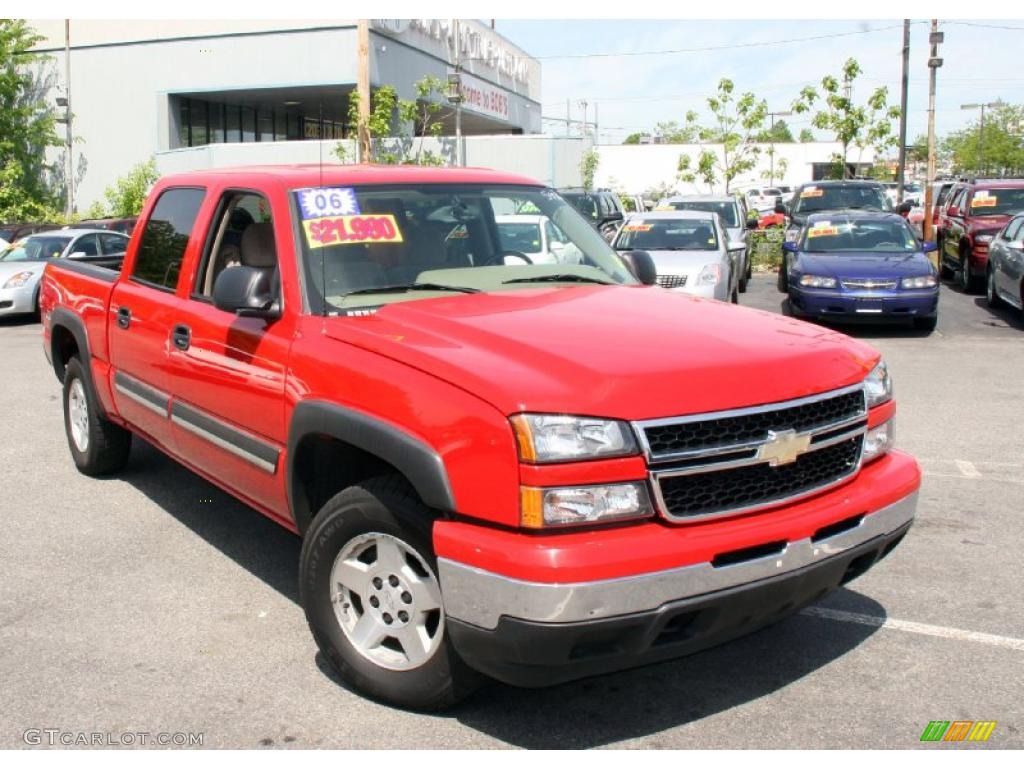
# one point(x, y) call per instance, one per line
point(182, 337)
point(124, 317)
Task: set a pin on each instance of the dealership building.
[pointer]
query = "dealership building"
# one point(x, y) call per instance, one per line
point(144, 88)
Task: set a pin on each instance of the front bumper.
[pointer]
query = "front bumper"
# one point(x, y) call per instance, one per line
point(18, 301)
point(718, 291)
point(864, 306)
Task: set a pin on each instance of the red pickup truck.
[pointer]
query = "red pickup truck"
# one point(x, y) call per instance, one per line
point(533, 471)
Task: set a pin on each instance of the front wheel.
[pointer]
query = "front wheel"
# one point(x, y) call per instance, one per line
point(783, 282)
point(991, 294)
point(368, 584)
point(98, 446)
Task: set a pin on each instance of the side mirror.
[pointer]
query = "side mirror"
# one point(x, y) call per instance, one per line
point(905, 207)
point(780, 207)
point(927, 246)
point(77, 255)
point(246, 292)
point(736, 245)
point(789, 246)
point(642, 266)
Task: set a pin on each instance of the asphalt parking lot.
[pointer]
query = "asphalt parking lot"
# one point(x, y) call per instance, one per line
point(153, 602)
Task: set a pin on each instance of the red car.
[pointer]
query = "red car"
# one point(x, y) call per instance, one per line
point(491, 471)
point(974, 214)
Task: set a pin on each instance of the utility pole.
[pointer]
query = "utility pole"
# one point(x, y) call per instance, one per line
point(70, 203)
point(568, 117)
point(771, 147)
point(597, 133)
point(934, 62)
point(903, 112)
point(583, 125)
point(363, 151)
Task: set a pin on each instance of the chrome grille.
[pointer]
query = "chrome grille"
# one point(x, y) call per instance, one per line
point(671, 281)
point(733, 461)
point(857, 284)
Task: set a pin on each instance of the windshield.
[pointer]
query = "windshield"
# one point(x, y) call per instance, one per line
point(667, 235)
point(850, 236)
point(833, 198)
point(366, 246)
point(989, 202)
point(584, 203)
point(729, 211)
point(35, 248)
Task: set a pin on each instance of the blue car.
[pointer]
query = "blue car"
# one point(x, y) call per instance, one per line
point(851, 265)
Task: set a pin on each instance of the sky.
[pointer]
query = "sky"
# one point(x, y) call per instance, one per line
point(632, 93)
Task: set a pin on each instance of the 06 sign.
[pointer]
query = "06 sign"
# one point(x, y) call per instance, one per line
point(351, 230)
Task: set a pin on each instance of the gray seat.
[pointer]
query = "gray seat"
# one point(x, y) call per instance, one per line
point(258, 250)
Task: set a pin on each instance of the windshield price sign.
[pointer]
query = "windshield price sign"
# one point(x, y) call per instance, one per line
point(351, 230)
point(319, 202)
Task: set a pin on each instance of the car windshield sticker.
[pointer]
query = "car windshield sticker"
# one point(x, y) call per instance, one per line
point(351, 230)
point(637, 228)
point(319, 202)
point(459, 233)
point(812, 192)
point(983, 200)
point(823, 229)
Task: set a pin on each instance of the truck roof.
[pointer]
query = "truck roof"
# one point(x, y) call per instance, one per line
point(314, 174)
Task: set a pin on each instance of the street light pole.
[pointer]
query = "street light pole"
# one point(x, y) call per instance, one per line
point(771, 146)
point(900, 178)
point(934, 62)
point(70, 202)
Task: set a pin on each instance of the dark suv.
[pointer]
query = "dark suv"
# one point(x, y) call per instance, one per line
point(599, 206)
point(974, 213)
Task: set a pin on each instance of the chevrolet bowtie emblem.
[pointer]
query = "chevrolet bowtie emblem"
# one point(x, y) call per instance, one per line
point(783, 447)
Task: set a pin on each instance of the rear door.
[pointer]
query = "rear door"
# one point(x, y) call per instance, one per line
point(143, 307)
point(227, 372)
point(1009, 264)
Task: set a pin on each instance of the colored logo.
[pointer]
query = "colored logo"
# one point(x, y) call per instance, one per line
point(958, 730)
point(783, 447)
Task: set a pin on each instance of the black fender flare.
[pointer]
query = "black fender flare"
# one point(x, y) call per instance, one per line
point(421, 465)
point(62, 317)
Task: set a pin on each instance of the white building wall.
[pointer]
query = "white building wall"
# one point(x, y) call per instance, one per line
point(635, 168)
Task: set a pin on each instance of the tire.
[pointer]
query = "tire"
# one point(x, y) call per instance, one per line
point(734, 298)
point(745, 277)
point(783, 282)
point(377, 536)
point(991, 295)
point(36, 313)
point(98, 447)
point(967, 282)
point(926, 324)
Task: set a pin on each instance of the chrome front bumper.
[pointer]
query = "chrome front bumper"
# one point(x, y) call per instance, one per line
point(480, 598)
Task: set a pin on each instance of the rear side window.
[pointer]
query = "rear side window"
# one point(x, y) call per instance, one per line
point(165, 237)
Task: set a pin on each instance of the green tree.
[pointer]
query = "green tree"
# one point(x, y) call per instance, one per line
point(126, 196)
point(16, 202)
point(27, 124)
point(634, 138)
point(588, 167)
point(777, 134)
point(806, 136)
point(867, 125)
point(1000, 152)
point(671, 132)
point(737, 121)
point(400, 119)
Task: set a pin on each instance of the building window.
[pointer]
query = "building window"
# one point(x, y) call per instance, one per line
point(184, 123)
point(233, 123)
point(217, 118)
point(200, 133)
point(248, 124)
point(266, 122)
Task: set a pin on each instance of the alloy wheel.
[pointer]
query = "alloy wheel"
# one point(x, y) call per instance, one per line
point(78, 415)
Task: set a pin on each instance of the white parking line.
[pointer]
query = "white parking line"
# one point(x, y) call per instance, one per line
point(950, 633)
point(967, 469)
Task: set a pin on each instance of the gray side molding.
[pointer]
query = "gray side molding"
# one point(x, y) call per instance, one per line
point(419, 463)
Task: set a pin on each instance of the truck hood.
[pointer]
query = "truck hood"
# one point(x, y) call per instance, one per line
point(630, 352)
point(884, 265)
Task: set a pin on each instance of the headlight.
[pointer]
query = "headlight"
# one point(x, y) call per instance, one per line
point(878, 385)
point(792, 235)
point(923, 281)
point(555, 507)
point(543, 438)
point(983, 239)
point(879, 441)
point(710, 275)
point(18, 279)
point(817, 281)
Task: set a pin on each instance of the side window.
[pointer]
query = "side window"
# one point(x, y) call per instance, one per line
point(165, 237)
point(113, 243)
point(242, 234)
point(86, 245)
point(958, 199)
point(1012, 231)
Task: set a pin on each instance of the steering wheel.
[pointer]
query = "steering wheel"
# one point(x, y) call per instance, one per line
point(499, 259)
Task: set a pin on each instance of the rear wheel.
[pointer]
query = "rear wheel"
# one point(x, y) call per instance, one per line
point(368, 584)
point(991, 294)
point(966, 280)
point(98, 446)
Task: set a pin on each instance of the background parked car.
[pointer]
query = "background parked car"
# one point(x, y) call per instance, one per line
point(733, 212)
point(763, 198)
point(125, 226)
point(538, 238)
point(14, 232)
point(22, 262)
point(1005, 270)
point(600, 207)
point(861, 265)
point(690, 250)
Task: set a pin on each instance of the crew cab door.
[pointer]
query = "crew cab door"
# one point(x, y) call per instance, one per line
point(142, 308)
point(955, 226)
point(227, 372)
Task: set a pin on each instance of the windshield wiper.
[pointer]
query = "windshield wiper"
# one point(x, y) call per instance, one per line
point(560, 278)
point(413, 287)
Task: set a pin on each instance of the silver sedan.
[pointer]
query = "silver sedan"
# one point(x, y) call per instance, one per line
point(22, 262)
point(1005, 276)
point(690, 249)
